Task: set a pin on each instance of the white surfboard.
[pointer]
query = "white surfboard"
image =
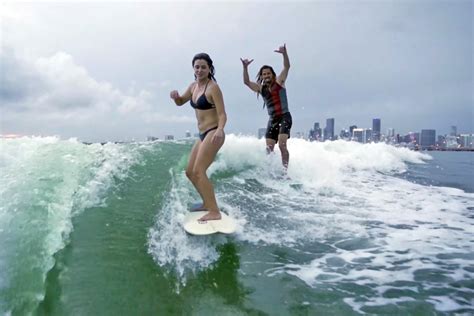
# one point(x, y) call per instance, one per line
point(225, 225)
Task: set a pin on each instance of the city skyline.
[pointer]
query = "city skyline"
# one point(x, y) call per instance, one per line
point(377, 124)
point(389, 131)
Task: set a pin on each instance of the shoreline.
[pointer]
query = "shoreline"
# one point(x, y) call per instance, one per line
point(443, 149)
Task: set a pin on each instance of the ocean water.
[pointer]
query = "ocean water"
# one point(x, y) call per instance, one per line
point(355, 230)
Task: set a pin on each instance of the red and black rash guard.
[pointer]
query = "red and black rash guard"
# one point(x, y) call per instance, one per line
point(275, 100)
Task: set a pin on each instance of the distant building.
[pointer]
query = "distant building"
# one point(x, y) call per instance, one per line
point(451, 142)
point(261, 132)
point(391, 137)
point(358, 135)
point(368, 137)
point(466, 140)
point(329, 129)
point(362, 135)
point(428, 138)
point(151, 138)
point(405, 139)
point(315, 133)
point(398, 138)
point(169, 137)
point(454, 131)
point(376, 122)
point(351, 129)
point(412, 138)
point(441, 143)
point(187, 134)
point(345, 134)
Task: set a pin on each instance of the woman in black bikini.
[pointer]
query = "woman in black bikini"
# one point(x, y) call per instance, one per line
point(206, 98)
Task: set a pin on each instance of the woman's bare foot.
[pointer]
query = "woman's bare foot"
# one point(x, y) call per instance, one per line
point(198, 207)
point(211, 216)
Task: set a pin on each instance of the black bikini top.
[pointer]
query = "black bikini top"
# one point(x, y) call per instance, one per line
point(201, 102)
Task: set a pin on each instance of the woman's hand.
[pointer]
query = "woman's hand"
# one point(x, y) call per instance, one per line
point(218, 137)
point(174, 95)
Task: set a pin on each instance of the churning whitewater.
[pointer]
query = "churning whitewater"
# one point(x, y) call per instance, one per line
point(346, 224)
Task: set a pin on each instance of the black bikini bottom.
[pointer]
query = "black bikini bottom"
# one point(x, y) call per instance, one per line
point(203, 135)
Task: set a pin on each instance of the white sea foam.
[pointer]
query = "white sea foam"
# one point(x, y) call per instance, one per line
point(446, 304)
point(169, 244)
point(385, 228)
point(379, 227)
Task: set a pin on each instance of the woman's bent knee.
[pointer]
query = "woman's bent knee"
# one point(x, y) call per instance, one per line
point(197, 174)
point(190, 175)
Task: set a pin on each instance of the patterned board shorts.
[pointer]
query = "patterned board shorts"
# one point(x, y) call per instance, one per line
point(279, 125)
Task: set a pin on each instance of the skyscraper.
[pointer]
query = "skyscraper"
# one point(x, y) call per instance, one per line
point(351, 129)
point(358, 135)
point(329, 129)
point(376, 130)
point(390, 136)
point(316, 135)
point(428, 138)
point(368, 137)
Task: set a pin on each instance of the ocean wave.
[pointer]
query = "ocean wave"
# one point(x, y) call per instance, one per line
point(45, 182)
point(373, 226)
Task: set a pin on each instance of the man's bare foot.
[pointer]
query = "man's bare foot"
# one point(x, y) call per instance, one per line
point(211, 216)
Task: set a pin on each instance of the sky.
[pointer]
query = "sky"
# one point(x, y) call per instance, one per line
point(102, 71)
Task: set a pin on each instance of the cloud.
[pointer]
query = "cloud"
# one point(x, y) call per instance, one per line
point(409, 63)
point(58, 84)
point(56, 89)
point(18, 80)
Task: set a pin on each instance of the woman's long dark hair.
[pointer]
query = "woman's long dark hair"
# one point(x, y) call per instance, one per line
point(208, 60)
